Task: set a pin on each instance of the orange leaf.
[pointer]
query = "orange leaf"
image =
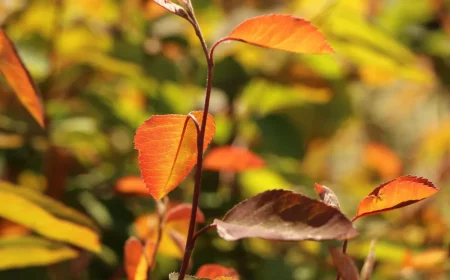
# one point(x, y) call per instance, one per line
point(182, 212)
point(233, 159)
point(19, 79)
point(176, 225)
point(11, 229)
point(397, 193)
point(136, 265)
point(132, 185)
point(428, 259)
point(168, 150)
point(213, 271)
point(281, 32)
point(383, 160)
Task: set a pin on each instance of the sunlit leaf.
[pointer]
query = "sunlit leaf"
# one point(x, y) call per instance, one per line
point(233, 159)
point(23, 211)
point(136, 265)
point(275, 215)
point(19, 79)
point(327, 195)
point(54, 207)
point(427, 259)
point(168, 149)
point(173, 8)
point(174, 232)
point(214, 271)
point(182, 212)
point(383, 160)
point(345, 265)
point(281, 32)
point(132, 185)
point(397, 193)
point(32, 251)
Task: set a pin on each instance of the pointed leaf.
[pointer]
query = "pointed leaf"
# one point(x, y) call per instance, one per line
point(281, 32)
point(132, 185)
point(345, 265)
point(19, 79)
point(397, 193)
point(182, 212)
point(32, 251)
point(175, 276)
point(327, 195)
point(174, 232)
point(173, 8)
point(233, 159)
point(214, 271)
point(55, 207)
point(20, 210)
point(284, 215)
point(168, 150)
point(136, 265)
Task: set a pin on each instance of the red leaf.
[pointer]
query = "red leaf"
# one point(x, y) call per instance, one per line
point(345, 265)
point(327, 195)
point(183, 212)
point(284, 215)
point(213, 271)
point(394, 194)
point(281, 32)
point(19, 79)
point(135, 262)
point(132, 185)
point(168, 150)
point(233, 159)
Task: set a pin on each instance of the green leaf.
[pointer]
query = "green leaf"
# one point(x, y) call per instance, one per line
point(32, 251)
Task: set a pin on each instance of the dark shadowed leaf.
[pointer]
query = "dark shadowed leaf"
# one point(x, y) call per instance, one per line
point(284, 215)
point(397, 193)
point(345, 265)
point(327, 195)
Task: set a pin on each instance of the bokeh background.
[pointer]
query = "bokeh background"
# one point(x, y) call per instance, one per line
point(376, 109)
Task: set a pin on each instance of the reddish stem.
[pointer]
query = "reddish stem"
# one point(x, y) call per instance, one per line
point(190, 241)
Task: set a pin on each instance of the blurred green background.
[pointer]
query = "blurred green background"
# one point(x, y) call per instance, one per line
point(376, 109)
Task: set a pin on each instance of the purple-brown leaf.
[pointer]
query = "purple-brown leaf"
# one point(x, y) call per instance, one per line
point(344, 264)
point(284, 215)
point(172, 7)
point(327, 195)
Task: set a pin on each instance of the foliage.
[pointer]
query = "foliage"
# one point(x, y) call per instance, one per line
point(86, 82)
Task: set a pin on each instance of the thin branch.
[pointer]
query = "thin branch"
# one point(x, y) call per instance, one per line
point(190, 241)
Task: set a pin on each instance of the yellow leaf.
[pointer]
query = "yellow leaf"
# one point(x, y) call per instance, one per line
point(22, 211)
point(32, 251)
